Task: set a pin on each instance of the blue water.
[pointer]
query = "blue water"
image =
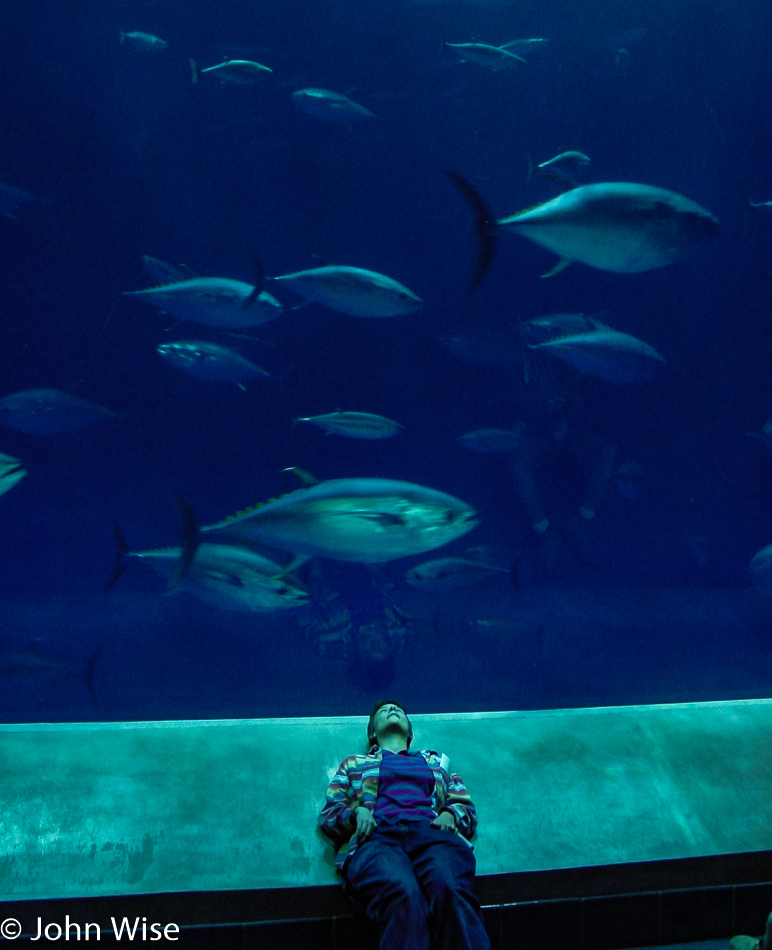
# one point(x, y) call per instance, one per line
point(129, 159)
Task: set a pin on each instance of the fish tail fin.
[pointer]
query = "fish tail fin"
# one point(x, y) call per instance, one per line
point(189, 540)
point(121, 557)
point(193, 71)
point(121, 37)
point(88, 673)
point(561, 265)
point(484, 222)
point(259, 283)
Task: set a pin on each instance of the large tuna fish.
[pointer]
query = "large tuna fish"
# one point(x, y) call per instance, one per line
point(614, 226)
point(369, 520)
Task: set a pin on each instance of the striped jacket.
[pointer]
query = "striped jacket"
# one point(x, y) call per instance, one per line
point(355, 784)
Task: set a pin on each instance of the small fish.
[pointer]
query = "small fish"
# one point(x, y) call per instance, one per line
point(494, 441)
point(49, 411)
point(620, 227)
point(11, 472)
point(352, 290)
point(551, 326)
point(564, 168)
point(447, 573)
point(527, 46)
point(355, 425)
point(210, 362)
point(369, 520)
point(12, 198)
point(214, 301)
point(496, 58)
point(330, 106)
point(496, 624)
point(240, 71)
point(606, 354)
point(760, 205)
point(143, 42)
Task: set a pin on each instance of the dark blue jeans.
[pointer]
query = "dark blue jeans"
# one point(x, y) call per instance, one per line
point(415, 882)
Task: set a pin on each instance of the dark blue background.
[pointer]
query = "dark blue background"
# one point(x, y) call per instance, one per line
point(132, 159)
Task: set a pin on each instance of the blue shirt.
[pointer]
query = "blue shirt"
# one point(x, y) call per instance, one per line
point(405, 786)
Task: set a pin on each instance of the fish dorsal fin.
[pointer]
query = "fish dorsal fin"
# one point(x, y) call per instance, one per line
point(252, 509)
point(522, 211)
point(306, 478)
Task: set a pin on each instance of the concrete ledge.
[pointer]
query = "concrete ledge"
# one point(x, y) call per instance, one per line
point(572, 803)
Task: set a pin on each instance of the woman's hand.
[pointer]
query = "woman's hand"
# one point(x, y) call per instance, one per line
point(365, 823)
point(446, 821)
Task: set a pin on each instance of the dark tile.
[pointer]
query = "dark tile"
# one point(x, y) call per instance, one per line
point(752, 905)
point(289, 935)
point(692, 915)
point(210, 938)
point(354, 932)
point(492, 918)
point(631, 920)
point(548, 925)
point(195, 938)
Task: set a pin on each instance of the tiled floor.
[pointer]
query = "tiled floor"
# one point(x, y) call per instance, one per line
point(702, 945)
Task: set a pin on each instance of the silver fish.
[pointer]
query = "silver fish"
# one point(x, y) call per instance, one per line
point(229, 576)
point(551, 325)
point(214, 301)
point(328, 106)
point(210, 362)
point(614, 226)
point(527, 46)
point(494, 441)
point(760, 205)
point(240, 71)
point(352, 290)
point(482, 54)
point(355, 425)
point(11, 472)
point(143, 42)
point(49, 411)
point(607, 354)
point(369, 520)
point(447, 573)
point(564, 167)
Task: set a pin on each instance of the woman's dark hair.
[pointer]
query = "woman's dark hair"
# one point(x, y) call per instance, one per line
point(387, 702)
